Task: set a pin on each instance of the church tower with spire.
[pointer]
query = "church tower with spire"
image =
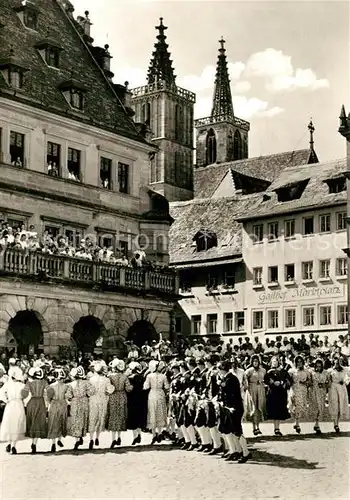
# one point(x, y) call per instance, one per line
point(167, 110)
point(222, 136)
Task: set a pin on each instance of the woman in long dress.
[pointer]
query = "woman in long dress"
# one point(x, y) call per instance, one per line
point(278, 381)
point(157, 408)
point(57, 417)
point(98, 403)
point(78, 393)
point(13, 426)
point(137, 402)
point(256, 376)
point(338, 397)
point(320, 384)
point(301, 381)
point(36, 407)
point(117, 412)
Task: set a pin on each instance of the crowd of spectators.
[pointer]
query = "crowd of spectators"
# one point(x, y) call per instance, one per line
point(24, 240)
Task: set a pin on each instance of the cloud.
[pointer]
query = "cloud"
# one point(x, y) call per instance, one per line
point(135, 76)
point(277, 69)
point(244, 107)
point(206, 79)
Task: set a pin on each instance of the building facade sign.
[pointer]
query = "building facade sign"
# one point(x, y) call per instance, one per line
point(301, 293)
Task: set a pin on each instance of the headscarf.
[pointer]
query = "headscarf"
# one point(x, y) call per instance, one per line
point(59, 374)
point(36, 372)
point(77, 372)
point(16, 373)
point(152, 365)
point(118, 364)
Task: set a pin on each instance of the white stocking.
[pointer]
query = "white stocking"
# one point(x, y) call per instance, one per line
point(185, 434)
point(192, 434)
point(215, 436)
point(201, 433)
point(243, 443)
point(237, 443)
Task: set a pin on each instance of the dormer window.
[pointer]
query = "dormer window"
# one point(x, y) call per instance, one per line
point(291, 191)
point(13, 72)
point(205, 240)
point(50, 52)
point(28, 13)
point(74, 92)
point(336, 185)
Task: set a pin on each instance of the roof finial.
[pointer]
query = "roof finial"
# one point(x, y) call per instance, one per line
point(343, 119)
point(160, 68)
point(311, 130)
point(222, 42)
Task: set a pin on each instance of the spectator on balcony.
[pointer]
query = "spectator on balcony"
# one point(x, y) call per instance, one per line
point(139, 258)
point(10, 236)
point(33, 244)
point(4, 240)
point(23, 241)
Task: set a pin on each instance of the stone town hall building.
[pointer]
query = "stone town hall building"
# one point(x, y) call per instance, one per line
point(74, 162)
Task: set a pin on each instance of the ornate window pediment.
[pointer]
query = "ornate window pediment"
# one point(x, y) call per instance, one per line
point(74, 92)
point(50, 51)
point(205, 240)
point(28, 13)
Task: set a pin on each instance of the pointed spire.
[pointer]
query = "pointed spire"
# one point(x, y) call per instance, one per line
point(343, 119)
point(160, 68)
point(311, 130)
point(222, 99)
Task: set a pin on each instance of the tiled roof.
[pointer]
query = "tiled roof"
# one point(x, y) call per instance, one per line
point(316, 193)
point(103, 108)
point(207, 179)
point(217, 215)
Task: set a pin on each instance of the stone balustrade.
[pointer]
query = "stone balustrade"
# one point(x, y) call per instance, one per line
point(210, 120)
point(83, 272)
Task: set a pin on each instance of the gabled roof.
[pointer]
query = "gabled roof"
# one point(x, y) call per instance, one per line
point(102, 108)
point(217, 215)
point(316, 193)
point(267, 168)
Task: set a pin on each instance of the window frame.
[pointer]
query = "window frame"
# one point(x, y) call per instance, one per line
point(272, 319)
point(273, 235)
point(103, 159)
point(23, 148)
point(287, 224)
point(307, 276)
point(321, 310)
point(341, 217)
point(339, 267)
point(293, 317)
point(309, 309)
point(259, 312)
point(59, 150)
point(239, 315)
point(256, 271)
point(79, 151)
point(271, 281)
point(342, 312)
point(325, 223)
point(258, 238)
point(212, 323)
point(286, 273)
point(196, 320)
point(322, 273)
point(228, 319)
point(305, 219)
point(127, 189)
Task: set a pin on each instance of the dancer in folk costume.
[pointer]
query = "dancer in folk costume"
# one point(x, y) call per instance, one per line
point(174, 407)
point(338, 397)
point(202, 409)
point(231, 415)
point(211, 392)
point(13, 426)
point(36, 407)
point(278, 381)
point(98, 402)
point(57, 416)
point(117, 412)
point(78, 393)
point(320, 380)
point(137, 402)
point(301, 381)
point(256, 376)
point(157, 408)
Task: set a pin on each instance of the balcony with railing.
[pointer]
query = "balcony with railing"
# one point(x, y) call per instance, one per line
point(162, 85)
point(210, 120)
point(83, 273)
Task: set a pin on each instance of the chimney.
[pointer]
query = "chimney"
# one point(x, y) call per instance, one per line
point(85, 23)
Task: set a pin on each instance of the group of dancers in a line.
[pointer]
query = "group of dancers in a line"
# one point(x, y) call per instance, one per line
point(199, 405)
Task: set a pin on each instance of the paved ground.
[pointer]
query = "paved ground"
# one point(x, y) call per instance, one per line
point(291, 467)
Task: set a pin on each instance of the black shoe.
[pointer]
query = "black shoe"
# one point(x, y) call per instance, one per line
point(216, 451)
point(185, 446)
point(192, 447)
point(8, 448)
point(119, 442)
point(255, 432)
point(33, 449)
point(114, 443)
point(160, 438)
point(53, 448)
point(97, 442)
point(225, 454)
point(77, 444)
point(154, 439)
point(278, 432)
point(81, 441)
point(297, 429)
point(245, 459)
point(208, 448)
point(202, 447)
point(336, 428)
point(13, 450)
point(60, 444)
point(258, 432)
point(135, 441)
point(317, 429)
point(233, 457)
point(91, 445)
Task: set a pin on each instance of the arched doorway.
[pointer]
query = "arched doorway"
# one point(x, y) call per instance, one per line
point(87, 334)
point(27, 331)
point(142, 330)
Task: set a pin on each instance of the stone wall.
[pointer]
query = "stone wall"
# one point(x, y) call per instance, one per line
point(58, 314)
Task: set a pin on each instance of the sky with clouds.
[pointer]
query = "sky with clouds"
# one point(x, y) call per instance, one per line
point(288, 60)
